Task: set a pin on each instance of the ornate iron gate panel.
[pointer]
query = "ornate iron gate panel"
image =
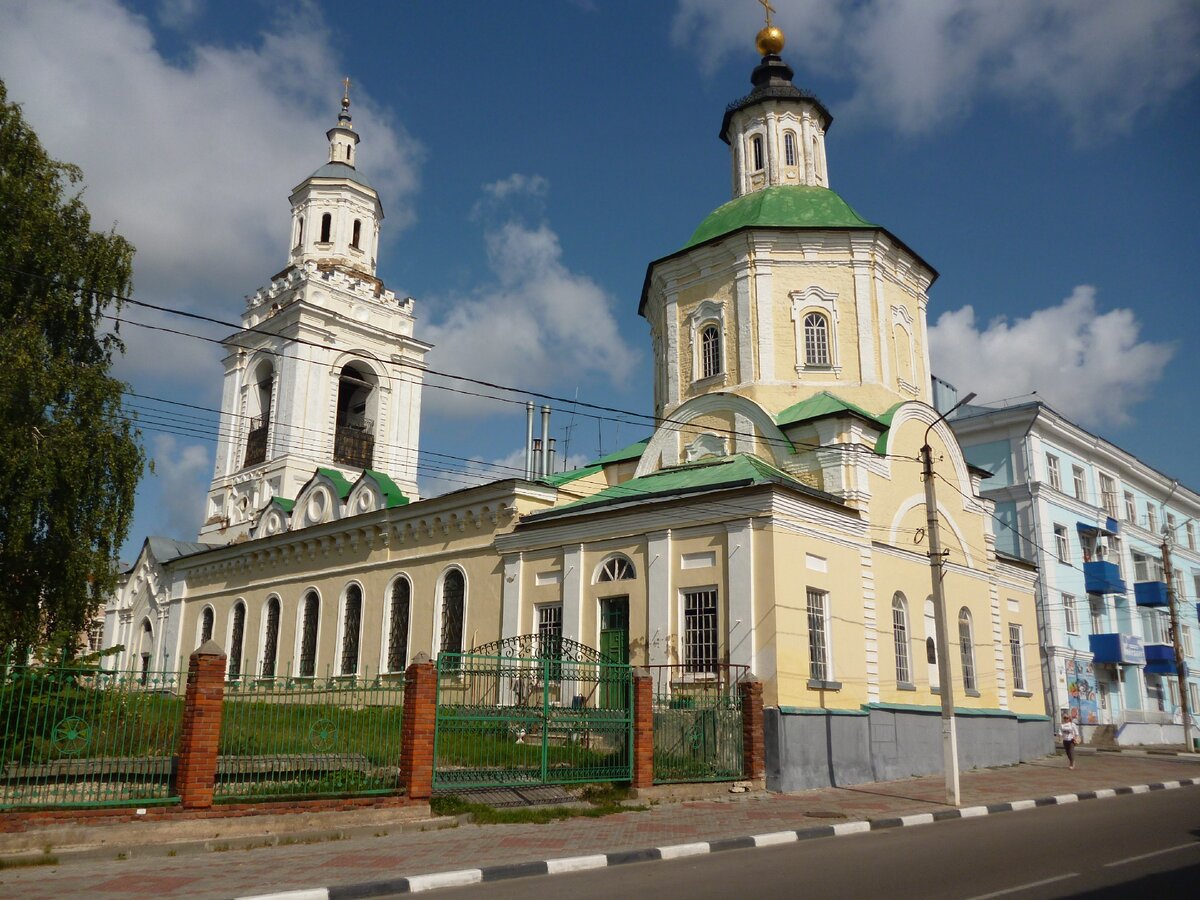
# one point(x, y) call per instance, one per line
point(697, 723)
point(531, 710)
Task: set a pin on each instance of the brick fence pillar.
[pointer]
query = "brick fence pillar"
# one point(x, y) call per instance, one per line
point(417, 728)
point(196, 771)
point(753, 746)
point(643, 729)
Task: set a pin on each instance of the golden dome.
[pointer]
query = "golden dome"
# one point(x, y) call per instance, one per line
point(769, 41)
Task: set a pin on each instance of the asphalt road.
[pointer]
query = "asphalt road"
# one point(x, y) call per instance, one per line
point(1141, 845)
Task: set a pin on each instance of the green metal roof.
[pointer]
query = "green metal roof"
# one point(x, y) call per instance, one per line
point(558, 479)
point(820, 405)
point(633, 451)
point(283, 503)
point(740, 470)
point(783, 206)
point(392, 495)
point(340, 484)
point(886, 421)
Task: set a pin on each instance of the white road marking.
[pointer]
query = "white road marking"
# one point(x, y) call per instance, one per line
point(1170, 785)
point(678, 851)
point(418, 883)
point(576, 863)
point(917, 819)
point(1141, 788)
point(1023, 804)
point(1120, 862)
point(1025, 887)
point(1066, 798)
point(309, 894)
point(775, 837)
point(1105, 793)
point(971, 812)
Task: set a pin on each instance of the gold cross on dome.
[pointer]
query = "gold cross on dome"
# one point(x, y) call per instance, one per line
point(767, 9)
point(346, 85)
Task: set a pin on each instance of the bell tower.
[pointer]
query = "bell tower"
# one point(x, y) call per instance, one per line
point(326, 372)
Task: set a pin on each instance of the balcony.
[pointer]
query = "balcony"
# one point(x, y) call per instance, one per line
point(1119, 649)
point(1103, 577)
point(256, 441)
point(1151, 593)
point(353, 443)
point(1160, 659)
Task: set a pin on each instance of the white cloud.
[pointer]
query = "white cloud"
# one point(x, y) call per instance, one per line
point(193, 161)
point(1090, 366)
point(537, 325)
point(182, 472)
point(517, 183)
point(918, 63)
point(179, 14)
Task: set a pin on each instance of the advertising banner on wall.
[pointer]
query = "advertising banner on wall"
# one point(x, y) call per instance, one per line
point(1081, 688)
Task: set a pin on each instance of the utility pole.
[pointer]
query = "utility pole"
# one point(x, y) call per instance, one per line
point(936, 559)
point(1180, 662)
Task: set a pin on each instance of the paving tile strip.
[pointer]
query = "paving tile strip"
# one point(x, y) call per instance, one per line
point(412, 884)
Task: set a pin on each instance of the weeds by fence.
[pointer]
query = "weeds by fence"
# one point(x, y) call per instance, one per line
point(78, 735)
point(309, 737)
point(697, 723)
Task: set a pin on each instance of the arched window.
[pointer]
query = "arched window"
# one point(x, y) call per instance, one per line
point(347, 153)
point(147, 651)
point(351, 626)
point(300, 231)
point(816, 340)
point(260, 418)
point(931, 645)
point(710, 351)
point(789, 148)
point(453, 598)
point(756, 147)
point(900, 638)
point(237, 630)
point(397, 654)
point(616, 568)
point(206, 626)
point(356, 234)
point(968, 649)
point(326, 227)
point(354, 439)
point(308, 635)
point(270, 638)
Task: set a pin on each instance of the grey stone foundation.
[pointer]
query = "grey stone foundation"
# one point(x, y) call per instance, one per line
point(829, 748)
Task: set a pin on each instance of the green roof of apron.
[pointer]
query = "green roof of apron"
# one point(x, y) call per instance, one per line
point(784, 206)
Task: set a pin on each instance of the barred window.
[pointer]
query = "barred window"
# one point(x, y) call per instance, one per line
point(549, 630)
point(206, 625)
point(900, 638)
point(1017, 650)
point(453, 595)
point(271, 638)
point(710, 351)
point(818, 636)
point(397, 657)
point(351, 623)
point(236, 632)
point(617, 568)
point(700, 631)
point(968, 648)
point(816, 340)
point(308, 639)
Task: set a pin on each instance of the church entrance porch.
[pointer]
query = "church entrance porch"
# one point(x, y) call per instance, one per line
point(531, 710)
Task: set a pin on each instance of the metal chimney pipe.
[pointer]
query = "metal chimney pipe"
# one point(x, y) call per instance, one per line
point(545, 468)
point(529, 440)
point(537, 458)
point(550, 455)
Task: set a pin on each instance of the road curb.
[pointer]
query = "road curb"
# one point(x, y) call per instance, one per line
point(413, 884)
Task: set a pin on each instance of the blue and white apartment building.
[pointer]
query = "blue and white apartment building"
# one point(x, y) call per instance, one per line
point(1094, 519)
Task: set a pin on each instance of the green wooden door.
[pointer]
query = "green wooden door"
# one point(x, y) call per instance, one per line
point(614, 644)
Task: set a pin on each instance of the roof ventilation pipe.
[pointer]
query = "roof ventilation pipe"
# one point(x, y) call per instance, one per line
point(550, 458)
point(544, 468)
point(529, 440)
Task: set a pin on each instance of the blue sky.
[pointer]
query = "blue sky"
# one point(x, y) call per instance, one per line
point(533, 157)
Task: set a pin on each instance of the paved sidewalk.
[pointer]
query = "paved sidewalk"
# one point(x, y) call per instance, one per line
point(387, 856)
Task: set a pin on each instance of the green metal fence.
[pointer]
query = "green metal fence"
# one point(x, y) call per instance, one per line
point(76, 735)
point(306, 737)
point(530, 710)
point(697, 723)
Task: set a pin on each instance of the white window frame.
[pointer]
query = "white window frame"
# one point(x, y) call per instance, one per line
point(1185, 639)
point(815, 299)
point(966, 641)
point(790, 149)
point(1098, 613)
point(1016, 649)
point(1062, 543)
point(1070, 613)
point(1190, 529)
point(617, 567)
point(758, 154)
point(1108, 495)
point(710, 351)
point(901, 639)
point(1130, 508)
point(548, 620)
point(820, 645)
point(1053, 472)
point(706, 313)
point(1151, 518)
point(385, 643)
point(1079, 483)
point(706, 638)
point(338, 662)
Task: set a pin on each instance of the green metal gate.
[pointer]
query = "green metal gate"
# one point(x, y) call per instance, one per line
point(697, 723)
point(531, 710)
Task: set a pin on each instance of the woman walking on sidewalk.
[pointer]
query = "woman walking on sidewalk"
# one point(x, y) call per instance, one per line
point(1070, 735)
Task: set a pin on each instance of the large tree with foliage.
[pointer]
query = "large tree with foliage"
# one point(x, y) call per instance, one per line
point(69, 458)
